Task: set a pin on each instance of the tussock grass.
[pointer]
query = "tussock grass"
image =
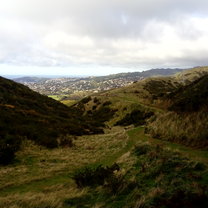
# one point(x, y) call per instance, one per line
point(190, 129)
point(157, 178)
point(149, 174)
point(43, 178)
point(191, 75)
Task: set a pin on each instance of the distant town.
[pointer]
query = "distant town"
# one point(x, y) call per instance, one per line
point(76, 88)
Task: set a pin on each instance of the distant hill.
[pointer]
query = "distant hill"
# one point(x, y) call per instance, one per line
point(29, 79)
point(77, 88)
point(147, 73)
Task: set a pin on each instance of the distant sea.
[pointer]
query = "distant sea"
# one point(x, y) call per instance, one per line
point(42, 76)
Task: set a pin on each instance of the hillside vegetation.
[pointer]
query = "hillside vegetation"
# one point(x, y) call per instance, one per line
point(26, 114)
point(178, 103)
point(187, 120)
point(116, 169)
point(152, 152)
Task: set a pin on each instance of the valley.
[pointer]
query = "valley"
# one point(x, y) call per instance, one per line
point(141, 145)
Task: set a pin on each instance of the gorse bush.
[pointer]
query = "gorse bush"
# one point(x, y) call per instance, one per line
point(86, 100)
point(157, 178)
point(136, 117)
point(100, 115)
point(174, 179)
point(66, 141)
point(96, 100)
point(94, 176)
point(8, 147)
point(107, 103)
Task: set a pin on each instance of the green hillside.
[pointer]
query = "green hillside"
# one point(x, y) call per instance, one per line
point(152, 152)
point(26, 114)
point(178, 103)
point(191, 97)
point(186, 121)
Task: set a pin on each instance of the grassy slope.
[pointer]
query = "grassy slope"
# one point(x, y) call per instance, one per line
point(187, 120)
point(41, 169)
point(162, 95)
point(30, 115)
point(43, 178)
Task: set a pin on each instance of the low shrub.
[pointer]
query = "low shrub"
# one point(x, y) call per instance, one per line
point(107, 103)
point(94, 176)
point(86, 100)
point(8, 147)
point(96, 100)
point(141, 149)
point(66, 141)
point(136, 117)
point(169, 180)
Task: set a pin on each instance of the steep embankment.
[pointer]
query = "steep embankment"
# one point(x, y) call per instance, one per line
point(26, 114)
point(186, 121)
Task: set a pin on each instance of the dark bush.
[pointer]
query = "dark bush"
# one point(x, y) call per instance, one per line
point(93, 176)
point(94, 107)
point(89, 112)
point(86, 100)
point(101, 115)
point(136, 117)
point(141, 149)
point(107, 103)
point(183, 199)
point(66, 141)
point(9, 145)
point(96, 100)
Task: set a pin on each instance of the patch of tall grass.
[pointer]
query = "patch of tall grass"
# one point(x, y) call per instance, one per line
point(190, 129)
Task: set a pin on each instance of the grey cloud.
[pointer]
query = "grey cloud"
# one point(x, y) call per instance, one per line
point(104, 18)
point(124, 33)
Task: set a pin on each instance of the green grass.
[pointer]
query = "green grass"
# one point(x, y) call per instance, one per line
point(194, 154)
point(57, 97)
point(39, 169)
point(37, 185)
point(158, 177)
point(69, 102)
point(43, 178)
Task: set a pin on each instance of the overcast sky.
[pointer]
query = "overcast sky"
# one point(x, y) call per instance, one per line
point(96, 37)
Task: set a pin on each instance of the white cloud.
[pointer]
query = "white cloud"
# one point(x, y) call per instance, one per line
point(118, 33)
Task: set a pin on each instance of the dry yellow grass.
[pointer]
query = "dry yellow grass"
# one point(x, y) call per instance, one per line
point(187, 128)
point(191, 75)
point(41, 177)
